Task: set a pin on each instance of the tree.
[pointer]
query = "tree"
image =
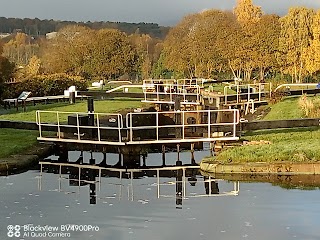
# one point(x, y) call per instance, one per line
point(311, 54)
point(90, 53)
point(178, 47)
point(20, 49)
point(266, 35)
point(148, 50)
point(248, 16)
point(33, 67)
point(66, 52)
point(6, 72)
point(247, 13)
point(295, 38)
point(201, 44)
point(111, 54)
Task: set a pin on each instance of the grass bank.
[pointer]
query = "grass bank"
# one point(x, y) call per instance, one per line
point(103, 106)
point(14, 141)
point(286, 109)
point(293, 145)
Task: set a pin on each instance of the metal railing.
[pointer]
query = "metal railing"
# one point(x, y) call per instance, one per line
point(244, 93)
point(167, 93)
point(103, 128)
point(182, 126)
point(305, 86)
point(140, 127)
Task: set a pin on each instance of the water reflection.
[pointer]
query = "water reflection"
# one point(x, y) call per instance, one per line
point(163, 182)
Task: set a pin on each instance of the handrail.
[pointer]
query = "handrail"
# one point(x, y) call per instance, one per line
point(122, 87)
point(259, 88)
point(137, 128)
point(296, 84)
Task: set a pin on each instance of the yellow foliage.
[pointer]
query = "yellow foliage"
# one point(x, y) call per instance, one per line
point(309, 106)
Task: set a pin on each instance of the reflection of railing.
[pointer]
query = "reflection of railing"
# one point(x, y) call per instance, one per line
point(81, 127)
point(244, 93)
point(180, 173)
point(140, 128)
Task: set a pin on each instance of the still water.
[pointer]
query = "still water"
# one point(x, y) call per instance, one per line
point(157, 205)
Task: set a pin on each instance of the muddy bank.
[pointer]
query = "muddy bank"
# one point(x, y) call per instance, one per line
point(281, 168)
point(22, 162)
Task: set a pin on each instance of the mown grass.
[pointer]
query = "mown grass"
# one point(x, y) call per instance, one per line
point(14, 141)
point(296, 145)
point(103, 106)
point(286, 109)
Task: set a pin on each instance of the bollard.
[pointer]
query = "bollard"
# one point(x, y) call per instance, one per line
point(177, 116)
point(72, 97)
point(90, 111)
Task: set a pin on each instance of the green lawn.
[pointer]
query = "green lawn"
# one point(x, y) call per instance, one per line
point(297, 145)
point(105, 106)
point(286, 109)
point(219, 87)
point(14, 141)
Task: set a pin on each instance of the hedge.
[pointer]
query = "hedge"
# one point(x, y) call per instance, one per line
point(44, 86)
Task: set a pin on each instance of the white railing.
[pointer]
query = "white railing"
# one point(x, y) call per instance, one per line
point(182, 126)
point(123, 87)
point(104, 128)
point(140, 128)
point(305, 86)
point(257, 92)
point(166, 93)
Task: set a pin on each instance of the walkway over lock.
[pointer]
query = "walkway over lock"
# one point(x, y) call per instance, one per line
point(167, 90)
point(138, 128)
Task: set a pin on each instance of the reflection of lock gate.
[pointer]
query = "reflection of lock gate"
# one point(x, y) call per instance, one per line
point(128, 179)
point(140, 127)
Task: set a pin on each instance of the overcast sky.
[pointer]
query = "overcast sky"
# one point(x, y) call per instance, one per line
point(164, 12)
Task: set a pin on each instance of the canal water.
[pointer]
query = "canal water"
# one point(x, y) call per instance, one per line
point(159, 204)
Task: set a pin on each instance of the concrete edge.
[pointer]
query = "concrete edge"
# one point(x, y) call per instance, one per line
point(279, 168)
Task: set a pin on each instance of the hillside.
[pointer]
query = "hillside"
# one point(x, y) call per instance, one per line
point(38, 27)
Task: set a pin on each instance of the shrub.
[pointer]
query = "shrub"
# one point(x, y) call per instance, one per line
point(45, 85)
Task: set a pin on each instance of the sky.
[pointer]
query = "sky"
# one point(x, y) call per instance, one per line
point(163, 12)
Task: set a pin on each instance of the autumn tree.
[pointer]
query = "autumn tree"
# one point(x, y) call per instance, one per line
point(66, 52)
point(199, 44)
point(90, 53)
point(248, 16)
point(295, 38)
point(20, 49)
point(148, 50)
point(247, 13)
point(214, 29)
point(33, 67)
point(178, 46)
point(311, 54)
point(6, 70)
point(266, 35)
point(109, 54)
